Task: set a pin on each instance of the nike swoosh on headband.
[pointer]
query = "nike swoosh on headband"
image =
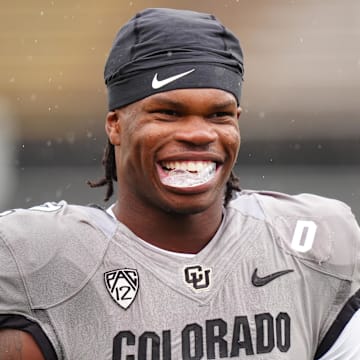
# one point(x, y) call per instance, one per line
point(157, 84)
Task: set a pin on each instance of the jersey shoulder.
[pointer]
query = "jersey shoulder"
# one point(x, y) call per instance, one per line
point(54, 249)
point(320, 231)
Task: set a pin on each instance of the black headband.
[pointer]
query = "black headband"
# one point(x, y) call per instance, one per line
point(164, 49)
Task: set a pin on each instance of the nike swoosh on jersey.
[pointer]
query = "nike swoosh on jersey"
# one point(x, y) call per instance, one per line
point(261, 281)
point(157, 84)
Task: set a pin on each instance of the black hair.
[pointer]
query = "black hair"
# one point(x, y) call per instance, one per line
point(108, 161)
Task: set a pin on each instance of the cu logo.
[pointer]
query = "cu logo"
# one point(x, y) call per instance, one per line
point(197, 278)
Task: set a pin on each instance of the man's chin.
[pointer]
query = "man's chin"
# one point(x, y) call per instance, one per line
point(193, 206)
point(184, 211)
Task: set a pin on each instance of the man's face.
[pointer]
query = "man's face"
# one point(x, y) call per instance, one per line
point(175, 150)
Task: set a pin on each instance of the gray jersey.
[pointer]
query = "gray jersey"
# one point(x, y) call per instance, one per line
point(277, 281)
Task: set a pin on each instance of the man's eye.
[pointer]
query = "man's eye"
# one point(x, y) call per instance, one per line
point(223, 113)
point(168, 112)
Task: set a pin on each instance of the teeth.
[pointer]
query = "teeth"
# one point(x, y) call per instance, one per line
point(192, 166)
point(188, 173)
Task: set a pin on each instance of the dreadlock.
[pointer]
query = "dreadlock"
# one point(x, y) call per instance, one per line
point(233, 184)
point(108, 161)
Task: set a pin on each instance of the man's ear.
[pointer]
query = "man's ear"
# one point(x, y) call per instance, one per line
point(113, 128)
point(239, 111)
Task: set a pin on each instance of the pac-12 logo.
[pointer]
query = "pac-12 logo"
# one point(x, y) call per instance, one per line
point(122, 285)
point(197, 277)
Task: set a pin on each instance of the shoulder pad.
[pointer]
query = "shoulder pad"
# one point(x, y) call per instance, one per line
point(57, 248)
point(321, 232)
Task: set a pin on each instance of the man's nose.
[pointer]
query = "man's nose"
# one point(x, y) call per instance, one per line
point(197, 131)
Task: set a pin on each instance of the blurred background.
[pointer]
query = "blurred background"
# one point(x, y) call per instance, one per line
point(301, 103)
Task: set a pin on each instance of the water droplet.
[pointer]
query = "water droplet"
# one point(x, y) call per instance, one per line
point(58, 193)
point(70, 137)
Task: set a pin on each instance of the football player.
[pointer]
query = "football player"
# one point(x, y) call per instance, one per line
point(183, 265)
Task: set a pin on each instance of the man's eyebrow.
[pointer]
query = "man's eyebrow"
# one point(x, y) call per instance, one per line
point(224, 104)
point(164, 101)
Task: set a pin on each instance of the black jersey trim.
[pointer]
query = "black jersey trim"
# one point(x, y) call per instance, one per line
point(20, 322)
point(345, 315)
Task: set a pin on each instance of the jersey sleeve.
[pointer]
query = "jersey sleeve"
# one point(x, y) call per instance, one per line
point(342, 340)
point(13, 296)
point(47, 255)
point(324, 235)
point(15, 311)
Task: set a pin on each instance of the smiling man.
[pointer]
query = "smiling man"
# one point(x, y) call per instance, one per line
point(174, 153)
point(183, 265)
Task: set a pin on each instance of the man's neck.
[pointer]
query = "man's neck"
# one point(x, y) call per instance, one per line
point(183, 233)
